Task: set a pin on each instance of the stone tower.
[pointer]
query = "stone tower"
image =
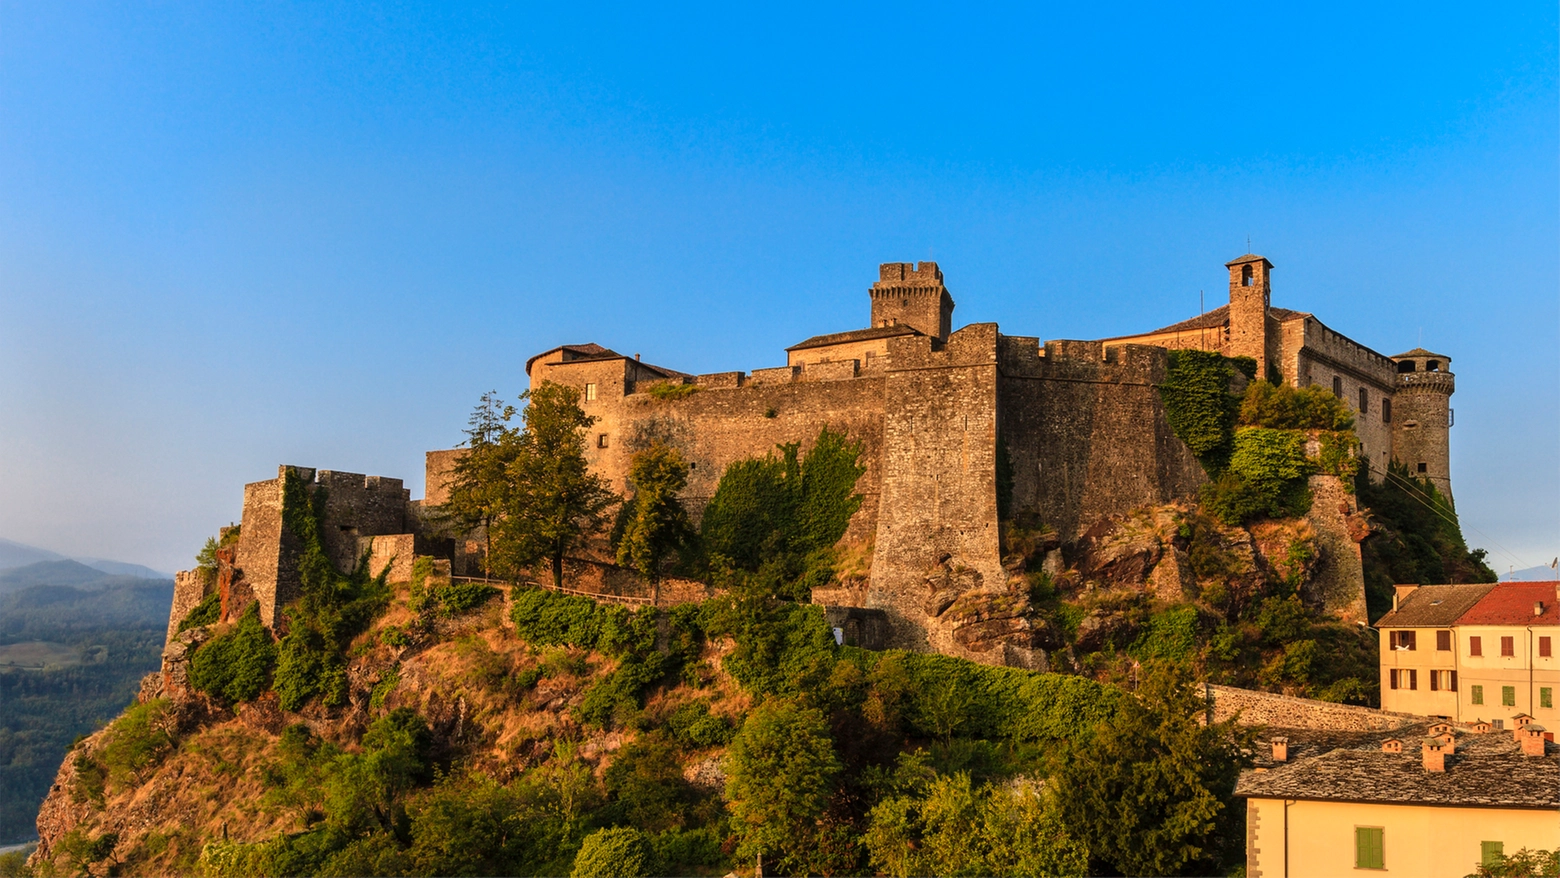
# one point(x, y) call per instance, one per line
point(912, 295)
point(1252, 333)
point(1422, 416)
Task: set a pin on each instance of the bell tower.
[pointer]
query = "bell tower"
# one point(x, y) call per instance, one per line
point(1251, 293)
point(913, 295)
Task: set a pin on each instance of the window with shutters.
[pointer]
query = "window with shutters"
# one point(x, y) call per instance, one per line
point(1543, 647)
point(1508, 696)
point(1435, 681)
point(1476, 645)
point(1546, 696)
point(590, 392)
point(1402, 640)
point(1369, 851)
point(1392, 679)
point(1491, 854)
point(1413, 678)
point(1443, 640)
point(1476, 694)
point(1443, 681)
point(1508, 646)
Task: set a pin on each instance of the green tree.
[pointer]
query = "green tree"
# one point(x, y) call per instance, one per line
point(780, 775)
point(619, 852)
point(656, 522)
point(481, 486)
point(553, 501)
point(1146, 793)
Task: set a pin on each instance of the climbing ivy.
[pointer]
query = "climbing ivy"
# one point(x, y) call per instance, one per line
point(1199, 406)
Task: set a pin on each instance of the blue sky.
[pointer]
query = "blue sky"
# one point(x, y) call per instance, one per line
point(236, 235)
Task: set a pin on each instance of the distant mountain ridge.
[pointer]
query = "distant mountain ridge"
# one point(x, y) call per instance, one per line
point(14, 555)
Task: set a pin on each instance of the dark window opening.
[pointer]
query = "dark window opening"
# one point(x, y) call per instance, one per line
point(1432, 365)
point(1386, 411)
point(601, 441)
point(1423, 468)
point(1337, 387)
point(1406, 366)
point(1364, 401)
point(1246, 277)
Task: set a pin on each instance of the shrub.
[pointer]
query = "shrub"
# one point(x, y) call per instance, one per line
point(138, 740)
point(207, 612)
point(619, 852)
point(235, 666)
point(1282, 407)
point(669, 390)
point(1198, 404)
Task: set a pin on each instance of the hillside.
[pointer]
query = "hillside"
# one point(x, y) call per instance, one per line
point(70, 660)
point(478, 732)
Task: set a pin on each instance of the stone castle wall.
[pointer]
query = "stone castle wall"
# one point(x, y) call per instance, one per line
point(1085, 431)
point(1287, 712)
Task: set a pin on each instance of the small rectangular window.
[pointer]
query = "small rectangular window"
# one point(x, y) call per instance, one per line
point(590, 392)
point(1337, 387)
point(1392, 679)
point(1364, 401)
point(1413, 678)
point(1476, 645)
point(1544, 648)
point(1386, 411)
point(1443, 640)
point(1546, 696)
point(1423, 468)
point(1452, 678)
point(1368, 849)
point(601, 440)
point(1435, 681)
point(1476, 694)
point(1508, 696)
point(1492, 854)
point(1508, 646)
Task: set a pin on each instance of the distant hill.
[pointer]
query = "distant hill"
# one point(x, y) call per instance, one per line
point(13, 554)
point(122, 568)
point(1541, 573)
point(68, 573)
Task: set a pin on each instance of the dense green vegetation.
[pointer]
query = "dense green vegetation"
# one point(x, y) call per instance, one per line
point(116, 636)
point(1416, 538)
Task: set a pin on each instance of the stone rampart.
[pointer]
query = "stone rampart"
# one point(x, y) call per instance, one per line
point(1287, 712)
point(1085, 431)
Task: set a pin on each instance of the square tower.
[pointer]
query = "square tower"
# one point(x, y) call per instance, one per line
point(912, 295)
point(1251, 293)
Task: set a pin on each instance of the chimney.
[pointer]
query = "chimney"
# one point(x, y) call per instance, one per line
point(1392, 745)
point(1280, 749)
point(1538, 608)
point(1532, 738)
point(636, 358)
point(1434, 755)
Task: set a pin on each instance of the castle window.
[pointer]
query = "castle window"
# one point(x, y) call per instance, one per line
point(601, 440)
point(1432, 365)
point(1246, 277)
point(1386, 411)
point(590, 393)
point(1406, 366)
point(1422, 467)
point(1337, 387)
point(1364, 401)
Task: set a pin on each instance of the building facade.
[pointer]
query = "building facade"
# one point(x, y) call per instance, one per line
point(1474, 651)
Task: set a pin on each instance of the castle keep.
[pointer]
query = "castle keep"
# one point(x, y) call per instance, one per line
point(1080, 425)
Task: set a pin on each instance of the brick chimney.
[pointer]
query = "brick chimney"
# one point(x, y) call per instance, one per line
point(1518, 723)
point(1538, 608)
point(1280, 749)
point(1434, 755)
point(1392, 745)
point(1531, 736)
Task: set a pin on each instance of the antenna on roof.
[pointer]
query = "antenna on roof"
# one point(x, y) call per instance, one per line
point(1199, 302)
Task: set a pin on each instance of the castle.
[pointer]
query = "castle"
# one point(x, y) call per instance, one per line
point(1079, 424)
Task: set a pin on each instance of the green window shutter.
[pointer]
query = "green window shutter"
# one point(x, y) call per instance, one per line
point(1508, 696)
point(1546, 697)
point(1368, 853)
point(1477, 693)
point(1491, 853)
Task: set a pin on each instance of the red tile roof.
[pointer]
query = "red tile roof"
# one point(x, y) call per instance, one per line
point(1511, 603)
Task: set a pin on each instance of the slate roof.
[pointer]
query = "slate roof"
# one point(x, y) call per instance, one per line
point(585, 353)
point(1511, 603)
point(819, 341)
point(1249, 257)
point(1435, 606)
point(1486, 770)
point(1216, 318)
point(1420, 352)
